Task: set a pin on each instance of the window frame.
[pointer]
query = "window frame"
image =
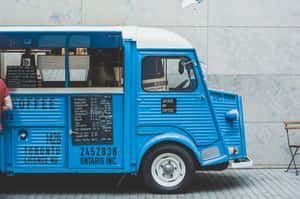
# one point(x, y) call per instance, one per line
point(168, 56)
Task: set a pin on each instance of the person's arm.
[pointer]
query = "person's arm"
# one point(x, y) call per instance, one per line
point(7, 104)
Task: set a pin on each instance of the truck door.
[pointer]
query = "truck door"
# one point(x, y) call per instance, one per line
point(171, 94)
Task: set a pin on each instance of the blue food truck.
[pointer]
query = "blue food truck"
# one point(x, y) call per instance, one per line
point(114, 100)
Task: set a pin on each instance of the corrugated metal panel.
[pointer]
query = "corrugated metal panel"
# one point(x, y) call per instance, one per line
point(222, 103)
point(43, 148)
point(192, 115)
point(36, 110)
point(42, 118)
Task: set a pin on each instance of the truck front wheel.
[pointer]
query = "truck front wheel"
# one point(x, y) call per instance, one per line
point(168, 169)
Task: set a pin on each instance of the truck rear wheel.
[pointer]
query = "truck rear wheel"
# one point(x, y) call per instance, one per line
point(168, 169)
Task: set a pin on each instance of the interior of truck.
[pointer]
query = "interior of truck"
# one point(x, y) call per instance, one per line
point(87, 67)
point(39, 60)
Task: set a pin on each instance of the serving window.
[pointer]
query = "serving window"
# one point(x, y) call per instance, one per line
point(95, 67)
point(24, 68)
point(39, 60)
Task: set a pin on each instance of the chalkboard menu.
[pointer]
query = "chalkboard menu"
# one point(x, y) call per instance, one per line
point(92, 119)
point(21, 77)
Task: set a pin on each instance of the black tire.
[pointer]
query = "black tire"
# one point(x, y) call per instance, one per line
point(155, 155)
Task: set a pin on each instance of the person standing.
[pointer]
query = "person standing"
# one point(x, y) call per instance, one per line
point(6, 104)
point(5, 100)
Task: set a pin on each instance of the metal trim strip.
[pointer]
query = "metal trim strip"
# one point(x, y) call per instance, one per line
point(66, 90)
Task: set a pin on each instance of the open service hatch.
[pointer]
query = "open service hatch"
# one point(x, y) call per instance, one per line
point(61, 59)
point(67, 91)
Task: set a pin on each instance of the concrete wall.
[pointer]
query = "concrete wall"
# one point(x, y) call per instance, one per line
point(252, 50)
point(250, 47)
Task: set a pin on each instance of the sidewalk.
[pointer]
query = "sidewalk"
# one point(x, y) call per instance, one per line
point(230, 184)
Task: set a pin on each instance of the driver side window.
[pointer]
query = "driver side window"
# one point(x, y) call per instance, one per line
point(168, 74)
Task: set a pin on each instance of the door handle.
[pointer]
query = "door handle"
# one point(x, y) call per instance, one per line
point(202, 97)
point(73, 132)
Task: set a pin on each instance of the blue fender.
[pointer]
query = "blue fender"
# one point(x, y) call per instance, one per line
point(171, 137)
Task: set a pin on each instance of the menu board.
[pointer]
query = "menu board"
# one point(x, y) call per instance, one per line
point(92, 119)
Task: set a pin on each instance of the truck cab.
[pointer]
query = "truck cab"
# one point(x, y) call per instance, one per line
point(113, 100)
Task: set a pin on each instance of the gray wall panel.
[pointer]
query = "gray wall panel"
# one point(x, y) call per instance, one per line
point(170, 12)
point(36, 12)
point(267, 144)
point(109, 13)
point(253, 51)
point(266, 98)
point(254, 13)
point(197, 36)
point(143, 13)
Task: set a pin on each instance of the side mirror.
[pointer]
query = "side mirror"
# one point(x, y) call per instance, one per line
point(181, 67)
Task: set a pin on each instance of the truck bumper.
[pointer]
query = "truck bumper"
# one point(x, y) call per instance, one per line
point(241, 163)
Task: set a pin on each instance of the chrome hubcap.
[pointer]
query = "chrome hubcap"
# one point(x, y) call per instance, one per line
point(168, 169)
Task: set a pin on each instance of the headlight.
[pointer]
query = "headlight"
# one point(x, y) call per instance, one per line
point(232, 115)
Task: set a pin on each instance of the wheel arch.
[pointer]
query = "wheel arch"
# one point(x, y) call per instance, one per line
point(167, 139)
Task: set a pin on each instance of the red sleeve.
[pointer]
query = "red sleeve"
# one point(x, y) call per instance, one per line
point(4, 89)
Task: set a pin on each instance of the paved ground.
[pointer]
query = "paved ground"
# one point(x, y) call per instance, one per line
point(232, 183)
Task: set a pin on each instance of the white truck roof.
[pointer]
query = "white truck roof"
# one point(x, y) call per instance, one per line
point(146, 37)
